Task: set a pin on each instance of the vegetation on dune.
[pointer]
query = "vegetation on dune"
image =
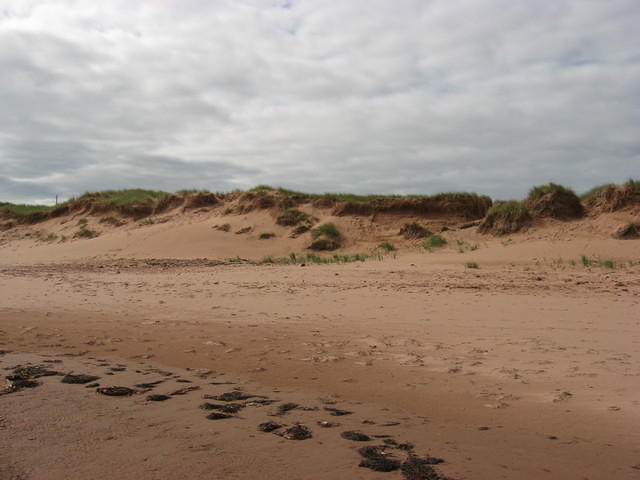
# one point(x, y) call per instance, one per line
point(113, 221)
point(85, 232)
point(611, 198)
point(326, 237)
point(633, 184)
point(387, 246)
point(328, 230)
point(472, 265)
point(434, 241)
point(554, 201)
point(121, 197)
point(354, 197)
point(595, 262)
point(596, 190)
point(189, 191)
point(22, 209)
point(298, 259)
point(292, 216)
point(505, 217)
point(414, 230)
point(541, 190)
point(628, 231)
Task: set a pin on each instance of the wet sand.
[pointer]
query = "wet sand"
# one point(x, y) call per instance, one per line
point(513, 371)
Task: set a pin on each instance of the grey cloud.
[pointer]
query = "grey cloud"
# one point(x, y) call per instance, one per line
point(391, 97)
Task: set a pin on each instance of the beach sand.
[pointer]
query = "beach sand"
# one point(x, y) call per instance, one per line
point(525, 368)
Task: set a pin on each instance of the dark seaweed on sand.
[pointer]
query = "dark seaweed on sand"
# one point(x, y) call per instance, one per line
point(269, 426)
point(355, 436)
point(297, 432)
point(336, 412)
point(416, 468)
point(228, 408)
point(376, 459)
point(79, 379)
point(286, 407)
point(218, 416)
point(149, 385)
point(116, 391)
point(158, 398)
point(234, 396)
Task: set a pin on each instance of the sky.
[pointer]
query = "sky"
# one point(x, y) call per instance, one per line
point(361, 96)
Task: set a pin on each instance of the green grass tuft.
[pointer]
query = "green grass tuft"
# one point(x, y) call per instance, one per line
point(298, 259)
point(22, 209)
point(122, 197)
point(387, 246)
point(328, 230)
point(596, 190)
point(541, 190)
point(434, 241)
point(633, 185)
point(292, 216)
point(586, 261)
point(85, 232)
point(472, 265)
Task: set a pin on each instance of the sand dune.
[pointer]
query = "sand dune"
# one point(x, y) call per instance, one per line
point(524, 368)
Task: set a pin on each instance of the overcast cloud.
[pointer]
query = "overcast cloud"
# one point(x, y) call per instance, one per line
point(386, 96)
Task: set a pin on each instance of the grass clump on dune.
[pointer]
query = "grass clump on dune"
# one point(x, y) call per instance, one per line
point(387, 246)
point(292, 216)
point(505, 217)
point(554, 201)
point(633, 185)
point(596, 190)
point(299, 259)
point(122, 197)
point(541, 190)
point(328, 230)
point(326, 237)
point(22, 209)
point(434, 241)
point(414, 230)
point(85, 232)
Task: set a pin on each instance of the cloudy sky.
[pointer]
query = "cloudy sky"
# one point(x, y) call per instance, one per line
point(367, 96)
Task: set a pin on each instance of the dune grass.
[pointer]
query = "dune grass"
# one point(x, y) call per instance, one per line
point(353, 197)
point(541, 190)
point(122, 197)
point(328, 230)
point(292, 217)
point(434, 241)
point(85, 232)
point(505, 217)
point(595, 262)
point(508, 209)
point(596, 190)
point(304, 258)
point(141, 196)
point(387, 246)
point(633, 184)
point(22, 209)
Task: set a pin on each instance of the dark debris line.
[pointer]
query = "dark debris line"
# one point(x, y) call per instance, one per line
point(380, 458)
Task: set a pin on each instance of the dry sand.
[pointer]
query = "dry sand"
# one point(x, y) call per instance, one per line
point(527, 368)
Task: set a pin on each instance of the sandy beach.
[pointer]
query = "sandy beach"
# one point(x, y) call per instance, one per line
point(524, 368)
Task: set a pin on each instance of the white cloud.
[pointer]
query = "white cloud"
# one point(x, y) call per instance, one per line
point(403, 96)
